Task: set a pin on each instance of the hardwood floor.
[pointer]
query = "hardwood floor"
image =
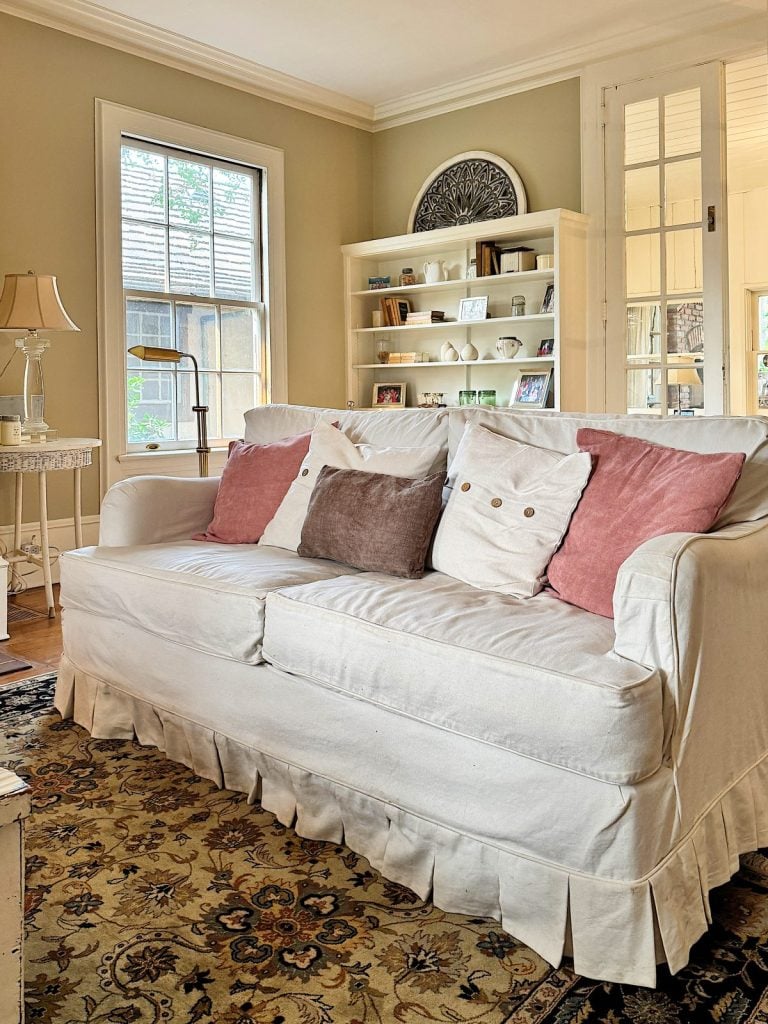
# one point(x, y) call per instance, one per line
point(38, 641)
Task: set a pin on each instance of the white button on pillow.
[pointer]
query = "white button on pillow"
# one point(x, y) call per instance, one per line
point(330, 447)
point(509, 507)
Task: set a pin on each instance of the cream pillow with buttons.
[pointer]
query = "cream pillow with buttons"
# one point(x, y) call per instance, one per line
point(330, 447)
point(509, 508)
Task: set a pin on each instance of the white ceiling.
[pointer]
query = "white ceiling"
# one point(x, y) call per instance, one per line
point(382, 52)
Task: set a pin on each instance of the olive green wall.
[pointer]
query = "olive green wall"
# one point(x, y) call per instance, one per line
point(49, 81)
point(537, 131)
point(342, 185)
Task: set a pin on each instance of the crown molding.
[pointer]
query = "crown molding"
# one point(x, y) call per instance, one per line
point(559, 65)
point(91, 21)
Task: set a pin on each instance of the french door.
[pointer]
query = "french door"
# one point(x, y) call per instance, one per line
point(666, 253)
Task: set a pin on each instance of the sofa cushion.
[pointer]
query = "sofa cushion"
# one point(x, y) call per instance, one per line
point(638, 490)
point(205, 596)
point(509, 507)
point(255, 479)
point(703, 434)
point(329, 447)
point(372, 520)
point(535, 676)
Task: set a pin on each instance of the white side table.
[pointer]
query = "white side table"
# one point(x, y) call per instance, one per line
point(14, 808)
point(66, 453)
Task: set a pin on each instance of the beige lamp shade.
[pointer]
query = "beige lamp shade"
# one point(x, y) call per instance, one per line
point(31, 302)
point(683, 376)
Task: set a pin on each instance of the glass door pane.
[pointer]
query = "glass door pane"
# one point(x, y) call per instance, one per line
point(659, 164)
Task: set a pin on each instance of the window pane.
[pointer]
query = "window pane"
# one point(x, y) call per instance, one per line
point(682, 193)
point(210, 395)
point(189, 194)
point(197, 334)
point(641, 131)
point(150, 405)
point(762, 321)
point(684, 259)
point(641, 198)
point(643, 265)
point(682, 123)
point(232, 203)
point(239, 339)
point(762, 382)
point(685, 385)
point(240, 392)
point(644, 391)
point(685, 328)
point(143, 256)
point(190, 262)
point(233, 268)
point(142, 184)
point(643, 331)
point(148, 323)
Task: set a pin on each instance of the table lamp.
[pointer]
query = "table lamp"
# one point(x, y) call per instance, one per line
point(172, 355)
point(682, 375)
point(30, 302)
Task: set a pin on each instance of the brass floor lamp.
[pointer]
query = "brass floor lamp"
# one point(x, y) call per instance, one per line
point(172, 355)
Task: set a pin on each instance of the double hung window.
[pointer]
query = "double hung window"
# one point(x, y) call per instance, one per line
point(192, 280)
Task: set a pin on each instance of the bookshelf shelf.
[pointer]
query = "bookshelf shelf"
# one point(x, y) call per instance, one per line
point(558, 232)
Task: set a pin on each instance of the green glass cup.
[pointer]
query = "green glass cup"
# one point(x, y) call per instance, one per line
point(486, 397)
point(468, 397)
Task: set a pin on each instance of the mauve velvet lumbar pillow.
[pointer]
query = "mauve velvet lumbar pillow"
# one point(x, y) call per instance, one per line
point(637, 490)
point(254, 482)
point(373, 521)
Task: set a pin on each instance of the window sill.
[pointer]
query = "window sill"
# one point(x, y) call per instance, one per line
point(181, 462)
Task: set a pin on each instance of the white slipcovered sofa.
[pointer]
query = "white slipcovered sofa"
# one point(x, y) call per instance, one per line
point(584, 781)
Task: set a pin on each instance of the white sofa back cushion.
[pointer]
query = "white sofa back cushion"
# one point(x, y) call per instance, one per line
point(705, 434)
point(509, 508)
point(413, 428)
point(330, 447)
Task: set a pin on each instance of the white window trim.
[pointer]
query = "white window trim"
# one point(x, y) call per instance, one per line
point(112, 122)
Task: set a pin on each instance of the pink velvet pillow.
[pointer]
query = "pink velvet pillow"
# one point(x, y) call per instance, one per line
point(637, 490)
point(255, 480)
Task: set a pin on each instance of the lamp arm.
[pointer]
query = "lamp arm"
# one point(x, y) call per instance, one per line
point(201, 412)
point(188, 355)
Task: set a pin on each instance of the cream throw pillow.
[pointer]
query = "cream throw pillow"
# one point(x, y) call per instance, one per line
point(508, 510)
point(330, 447)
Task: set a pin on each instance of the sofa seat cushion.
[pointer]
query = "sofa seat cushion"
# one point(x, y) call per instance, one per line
point(206, 596)
point(535, 676)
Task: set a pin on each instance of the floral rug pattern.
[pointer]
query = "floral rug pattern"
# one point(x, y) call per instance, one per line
point(152, 896)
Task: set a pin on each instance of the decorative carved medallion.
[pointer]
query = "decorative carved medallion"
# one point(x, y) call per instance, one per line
point(468, 188)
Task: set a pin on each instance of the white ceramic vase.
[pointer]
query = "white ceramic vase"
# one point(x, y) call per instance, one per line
point(469, 353)
point(448, 353)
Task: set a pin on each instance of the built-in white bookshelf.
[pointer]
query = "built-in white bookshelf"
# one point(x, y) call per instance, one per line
point(560, 233)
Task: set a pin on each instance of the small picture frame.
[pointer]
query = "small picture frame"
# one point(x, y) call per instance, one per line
point(683, 412)
point(388, 396)
point(546, 347)
point(532, 390)
point(548, 302)
point(473, 308)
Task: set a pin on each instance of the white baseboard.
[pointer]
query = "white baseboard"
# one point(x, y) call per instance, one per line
point(61, 537)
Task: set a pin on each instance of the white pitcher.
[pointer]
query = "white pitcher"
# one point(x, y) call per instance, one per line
point(434, 271)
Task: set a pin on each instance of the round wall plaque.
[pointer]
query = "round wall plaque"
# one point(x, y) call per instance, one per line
point(468, 188)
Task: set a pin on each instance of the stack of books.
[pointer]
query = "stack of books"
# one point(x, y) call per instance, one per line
point(408, 357)
point(429, 316)
point(394, 311)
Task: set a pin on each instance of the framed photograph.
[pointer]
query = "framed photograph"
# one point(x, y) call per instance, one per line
point(532, 390)
point(548, 302)
point(546, 347)
point(474, 308)
point(388, 396)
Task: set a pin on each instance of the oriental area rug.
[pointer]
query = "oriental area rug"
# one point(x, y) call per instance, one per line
point(152, 896)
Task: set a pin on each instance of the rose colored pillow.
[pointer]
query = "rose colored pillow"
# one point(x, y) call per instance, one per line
point(637, 490)
point(254, 482)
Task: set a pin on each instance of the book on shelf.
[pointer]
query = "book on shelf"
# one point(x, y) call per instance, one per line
point(429, 316)
point(394, 310)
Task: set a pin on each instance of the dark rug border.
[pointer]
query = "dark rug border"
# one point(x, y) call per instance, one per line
point(43, 677)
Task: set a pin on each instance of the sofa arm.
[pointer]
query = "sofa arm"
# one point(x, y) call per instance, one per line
point(695, 606)
point(155, 509)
